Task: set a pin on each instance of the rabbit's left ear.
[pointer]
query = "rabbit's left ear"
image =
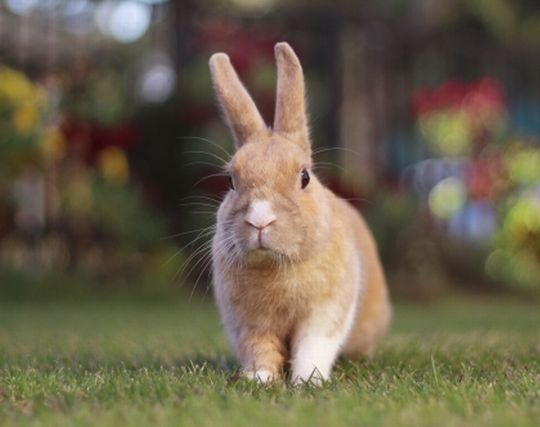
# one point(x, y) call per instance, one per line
point(290, 116)
point(240, 111)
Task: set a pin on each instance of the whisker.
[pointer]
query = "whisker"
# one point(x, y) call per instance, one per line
point(215, 144)
point(206, 254)
point(206, 260)
point(202, 197)
point(326, 164)
point(325, 149)
point(200, 204)
point(172, 236)
point(197, 252)
point(208, 153)
point(204, 268)
point(198, 163)
point(208, 177)
point(202, 234)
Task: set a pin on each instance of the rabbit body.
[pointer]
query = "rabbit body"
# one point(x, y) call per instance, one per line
point(296, 274)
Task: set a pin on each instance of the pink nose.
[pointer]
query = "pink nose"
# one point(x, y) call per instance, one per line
point(260, 214)
point(260, 225)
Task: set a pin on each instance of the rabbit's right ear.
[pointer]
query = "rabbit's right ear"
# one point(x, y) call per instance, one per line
point(290, 117)
point(240, 111)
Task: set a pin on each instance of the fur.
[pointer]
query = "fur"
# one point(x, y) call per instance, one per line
point(296, 275)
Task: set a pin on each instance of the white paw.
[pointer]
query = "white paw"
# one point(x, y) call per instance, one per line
point(313, 377)
point(262, 376)
point(313, 357)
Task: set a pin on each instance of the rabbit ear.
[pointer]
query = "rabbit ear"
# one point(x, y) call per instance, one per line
point(290, 116)
point(242, 115)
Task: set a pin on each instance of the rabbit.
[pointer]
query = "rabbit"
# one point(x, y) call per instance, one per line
point(296, 275)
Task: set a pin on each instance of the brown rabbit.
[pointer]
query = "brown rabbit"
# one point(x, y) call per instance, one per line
point(296, 274)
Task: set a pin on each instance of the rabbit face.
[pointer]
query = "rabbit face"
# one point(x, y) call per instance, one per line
point(276, 209)
point(273, 207)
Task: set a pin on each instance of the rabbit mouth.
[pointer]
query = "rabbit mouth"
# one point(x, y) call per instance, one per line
point(261, 255)
point(259, 243)
point(258, 240)
point(261, 247)
point(262, 244)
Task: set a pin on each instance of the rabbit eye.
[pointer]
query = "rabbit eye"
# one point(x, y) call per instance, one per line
point(231, 182)
point(305, 178)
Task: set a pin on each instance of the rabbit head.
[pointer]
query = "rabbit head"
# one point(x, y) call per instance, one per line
point(276, 205)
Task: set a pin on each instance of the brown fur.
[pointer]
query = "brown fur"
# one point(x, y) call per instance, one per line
point(275, 303)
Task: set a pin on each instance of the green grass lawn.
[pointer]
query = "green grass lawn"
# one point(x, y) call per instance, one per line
point(461, 361)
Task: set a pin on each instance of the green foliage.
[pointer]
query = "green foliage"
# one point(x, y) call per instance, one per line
point(119, 213)
point(458, 363)
point(22, 111)
point(101, 98)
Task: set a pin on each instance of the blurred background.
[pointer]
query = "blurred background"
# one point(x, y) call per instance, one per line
point(425, 115)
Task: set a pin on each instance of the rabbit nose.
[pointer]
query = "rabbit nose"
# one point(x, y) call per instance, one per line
point(260, 226)
point(260, 214)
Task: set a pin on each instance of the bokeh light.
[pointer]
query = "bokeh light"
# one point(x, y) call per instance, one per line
point(157, 80)
point(447, 132)
point(125, 21)
point(21, 7)
point(78, 16)
point(447, 197)
point(455, 116)
point(523, 220)
point(523, 165)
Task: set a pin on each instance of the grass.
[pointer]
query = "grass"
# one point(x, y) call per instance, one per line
point(458, 362)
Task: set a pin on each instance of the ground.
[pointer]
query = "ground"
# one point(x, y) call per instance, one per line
point(457, 362)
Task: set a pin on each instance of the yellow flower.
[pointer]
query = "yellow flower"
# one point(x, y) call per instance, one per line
point(15, 87)
point(25, 118)
point(113, 165)
point(53, 144)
